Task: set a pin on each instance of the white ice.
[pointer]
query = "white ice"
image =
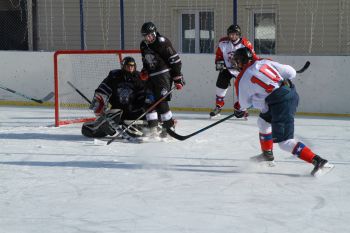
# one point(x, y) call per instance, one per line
point(53, 180)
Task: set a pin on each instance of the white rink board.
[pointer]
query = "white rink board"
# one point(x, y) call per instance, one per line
point(323, 88)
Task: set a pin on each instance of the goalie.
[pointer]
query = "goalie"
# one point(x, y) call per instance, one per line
point(125, 92)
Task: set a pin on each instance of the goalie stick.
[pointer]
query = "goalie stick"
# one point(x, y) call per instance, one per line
point(79, 92)
point(40, 101)
point(184, 137)
point(307, 64)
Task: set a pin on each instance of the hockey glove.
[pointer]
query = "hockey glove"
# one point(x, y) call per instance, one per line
point(179, 82)
point(99, 103)
point(144, 75)
point(219, 65)
point(238, 112)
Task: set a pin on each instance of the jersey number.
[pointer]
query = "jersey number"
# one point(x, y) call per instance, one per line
point(271, 74)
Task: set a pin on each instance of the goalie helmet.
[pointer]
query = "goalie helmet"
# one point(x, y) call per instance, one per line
point(148, 28)
point(242, 56)
point(128, 61)
point(234, 28)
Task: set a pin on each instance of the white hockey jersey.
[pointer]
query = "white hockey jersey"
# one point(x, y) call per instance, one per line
point(258, 79)
point(226, 49)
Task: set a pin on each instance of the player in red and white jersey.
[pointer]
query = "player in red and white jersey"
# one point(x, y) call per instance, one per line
point(223, 57)
point(266, 85)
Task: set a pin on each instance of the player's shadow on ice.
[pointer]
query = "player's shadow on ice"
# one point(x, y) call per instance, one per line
point(42, 136)
point(220, 169)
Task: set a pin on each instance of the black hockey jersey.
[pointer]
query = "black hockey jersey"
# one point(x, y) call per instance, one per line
point(160, 57)
point(126, 91)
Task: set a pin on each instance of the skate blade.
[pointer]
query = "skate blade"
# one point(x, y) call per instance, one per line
point(326, 168)
point(98, 142)
point(214, 117)
point(167, 139)
point(151, 139)
point(268, 163)
point(134, 140)
point(265, 163)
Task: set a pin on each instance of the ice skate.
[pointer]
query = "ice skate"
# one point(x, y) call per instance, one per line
point(321, 166)
point(163, 132)
point(151, 134)
point(265, 157)
point(215, 113)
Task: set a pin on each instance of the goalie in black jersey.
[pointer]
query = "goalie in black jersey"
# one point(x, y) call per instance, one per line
point(120, 97)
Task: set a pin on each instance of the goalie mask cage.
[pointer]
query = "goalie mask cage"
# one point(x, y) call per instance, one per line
point(85, 69)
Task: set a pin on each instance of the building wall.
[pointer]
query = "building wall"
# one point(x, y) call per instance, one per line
point(59, 21)
point(165, 15)
point(318, 27)
point(58, 24)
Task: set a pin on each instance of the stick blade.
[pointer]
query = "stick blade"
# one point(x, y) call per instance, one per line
point(305, 67)
point(175, 135)
point(48, 97)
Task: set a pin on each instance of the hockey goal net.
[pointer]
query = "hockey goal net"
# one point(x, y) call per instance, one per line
point(85, 70)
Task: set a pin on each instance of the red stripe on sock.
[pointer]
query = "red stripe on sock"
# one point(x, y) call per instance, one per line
point(266, 142)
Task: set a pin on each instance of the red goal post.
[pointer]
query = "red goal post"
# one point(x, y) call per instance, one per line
point(85, 69)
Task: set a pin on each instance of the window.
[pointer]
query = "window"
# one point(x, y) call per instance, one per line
point(13, 27)
point(197, 32)
point(264, 32)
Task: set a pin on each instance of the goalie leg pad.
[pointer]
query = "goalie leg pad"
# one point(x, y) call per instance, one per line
point(91, 130)
point(104, 125)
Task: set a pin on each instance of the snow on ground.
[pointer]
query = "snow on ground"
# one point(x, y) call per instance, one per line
point(53, 180)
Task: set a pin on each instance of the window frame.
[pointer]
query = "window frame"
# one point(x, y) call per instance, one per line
point(255, 11)
point(196, 26)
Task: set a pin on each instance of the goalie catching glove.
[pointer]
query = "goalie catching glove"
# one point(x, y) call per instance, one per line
point(179, 82)
point(99, 103)
point(238, 112)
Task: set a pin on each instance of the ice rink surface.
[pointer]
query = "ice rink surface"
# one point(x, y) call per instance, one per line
point(54, 180)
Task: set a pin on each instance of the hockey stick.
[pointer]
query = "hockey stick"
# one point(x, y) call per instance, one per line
point(40, 101)
point(184, 137)
point(147, 111)
point(307, 64)
point(79, 92)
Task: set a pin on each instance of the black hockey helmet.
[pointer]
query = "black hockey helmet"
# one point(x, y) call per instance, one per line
point(128, 61)
point(148, 28)
point(243, 56)
point(234, 28)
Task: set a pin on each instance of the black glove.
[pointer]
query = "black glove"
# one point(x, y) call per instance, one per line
point(238, 112)
point(179, 82)
point(219, 65)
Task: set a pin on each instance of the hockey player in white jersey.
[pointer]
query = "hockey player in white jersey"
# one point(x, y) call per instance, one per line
point(266, 85)
point(223, 57)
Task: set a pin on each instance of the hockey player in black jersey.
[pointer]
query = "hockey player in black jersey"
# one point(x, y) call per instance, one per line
point(162, 68)
point(125, 92)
